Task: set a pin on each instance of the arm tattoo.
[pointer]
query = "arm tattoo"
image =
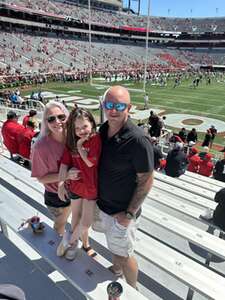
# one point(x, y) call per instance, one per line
point(144, 184)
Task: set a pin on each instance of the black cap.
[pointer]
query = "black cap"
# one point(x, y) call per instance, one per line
point(12, 115)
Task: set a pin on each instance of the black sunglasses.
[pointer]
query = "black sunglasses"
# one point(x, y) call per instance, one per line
point(52, 119)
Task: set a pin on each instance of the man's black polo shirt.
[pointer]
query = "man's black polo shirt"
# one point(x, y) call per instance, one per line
point(123, 156)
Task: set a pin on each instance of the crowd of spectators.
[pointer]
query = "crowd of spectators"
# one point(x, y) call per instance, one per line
point(110, 18)
point(182, 153)
point(17, 137)
point(49, 54)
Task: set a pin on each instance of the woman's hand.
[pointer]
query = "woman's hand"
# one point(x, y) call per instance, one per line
point(62, 192)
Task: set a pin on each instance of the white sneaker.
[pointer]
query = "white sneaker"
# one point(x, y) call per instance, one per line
point(63, 246)
point(72, 251)
point(207, 214)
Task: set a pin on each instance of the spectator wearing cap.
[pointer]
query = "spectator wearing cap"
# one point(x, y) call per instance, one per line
point(176, 161)
point(219, 169)
point(194, 160)
point(204, 152)
point(10, 132)
point(206, 165)
point(30, 117)
point(175, 139)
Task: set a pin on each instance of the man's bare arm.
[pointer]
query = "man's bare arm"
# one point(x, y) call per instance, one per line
point(144, 185)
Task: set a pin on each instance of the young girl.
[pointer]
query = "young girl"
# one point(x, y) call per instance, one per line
point(82, 151)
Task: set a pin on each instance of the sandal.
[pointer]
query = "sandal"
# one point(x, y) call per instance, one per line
point(118, 273)
point(89, 251)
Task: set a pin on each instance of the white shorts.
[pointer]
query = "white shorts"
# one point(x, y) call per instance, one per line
point(120, 239)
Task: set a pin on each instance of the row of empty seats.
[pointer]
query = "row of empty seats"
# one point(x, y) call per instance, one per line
point(118, 18)
point(49, 53)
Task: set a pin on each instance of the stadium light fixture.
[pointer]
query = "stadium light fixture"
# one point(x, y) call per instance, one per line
point(146, 47)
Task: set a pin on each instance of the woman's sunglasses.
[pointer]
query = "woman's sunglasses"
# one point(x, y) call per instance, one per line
point(52, 119)
point(117, 106)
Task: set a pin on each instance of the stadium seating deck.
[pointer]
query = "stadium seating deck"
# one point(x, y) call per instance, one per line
point(149, 251)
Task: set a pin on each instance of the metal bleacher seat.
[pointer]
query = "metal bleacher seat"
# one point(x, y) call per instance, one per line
point(201, 191)
point(150, 252)
point(206, 179)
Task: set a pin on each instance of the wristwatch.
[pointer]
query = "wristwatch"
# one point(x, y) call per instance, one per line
point(130, 215)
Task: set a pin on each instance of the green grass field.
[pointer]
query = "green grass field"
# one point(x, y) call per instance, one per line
point(206, 100)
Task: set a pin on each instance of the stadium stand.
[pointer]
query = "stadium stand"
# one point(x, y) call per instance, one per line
point(180, 255)
point(189, 232)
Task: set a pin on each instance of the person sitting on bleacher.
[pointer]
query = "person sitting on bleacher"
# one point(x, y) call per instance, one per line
point(158, 156)
point(10, 132)
point(25, 139)
point(206, 165)
point(194, 160)
point(30, 117)
point(219, 169)
point(176, 161)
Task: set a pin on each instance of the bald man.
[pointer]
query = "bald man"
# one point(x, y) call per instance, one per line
point(125, 178)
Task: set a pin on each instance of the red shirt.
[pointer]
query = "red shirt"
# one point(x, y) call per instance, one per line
point(10, 132)
point(86, 186)
point(25, 138)
point(25, 120)
point(194, 162)
point(205, 168)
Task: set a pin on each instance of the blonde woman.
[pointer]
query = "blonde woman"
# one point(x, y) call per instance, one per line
point(45, 160)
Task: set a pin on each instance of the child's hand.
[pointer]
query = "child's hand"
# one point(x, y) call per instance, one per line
point(81, 141)
point(62, 193)
point(73, 174)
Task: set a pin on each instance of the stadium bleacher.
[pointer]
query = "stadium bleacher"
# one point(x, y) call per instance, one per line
point(154, 221)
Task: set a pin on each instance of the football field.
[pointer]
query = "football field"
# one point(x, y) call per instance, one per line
point(204, 100)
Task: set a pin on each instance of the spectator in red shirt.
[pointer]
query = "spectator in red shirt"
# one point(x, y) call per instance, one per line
point(10, 132)
point(206, 166)
point(25, 138)
point(194, 160)
point(29, 117)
